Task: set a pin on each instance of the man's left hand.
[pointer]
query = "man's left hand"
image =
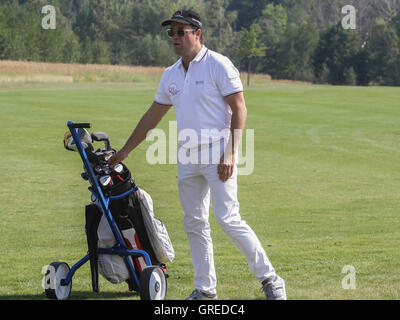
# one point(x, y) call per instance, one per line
point(225, 167)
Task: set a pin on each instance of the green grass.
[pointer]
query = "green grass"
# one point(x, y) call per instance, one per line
point(324, 192)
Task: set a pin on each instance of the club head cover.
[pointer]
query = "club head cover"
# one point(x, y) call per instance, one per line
point(84, 137)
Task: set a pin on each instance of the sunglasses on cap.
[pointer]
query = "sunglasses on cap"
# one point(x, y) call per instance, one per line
point(181, 32)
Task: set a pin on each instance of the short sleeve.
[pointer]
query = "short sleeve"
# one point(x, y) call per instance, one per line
point(162, 96)
point(228, 77)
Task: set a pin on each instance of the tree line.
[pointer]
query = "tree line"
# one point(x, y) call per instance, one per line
point(288, 39)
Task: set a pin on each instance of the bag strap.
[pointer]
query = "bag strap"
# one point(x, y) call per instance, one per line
point(93, 217)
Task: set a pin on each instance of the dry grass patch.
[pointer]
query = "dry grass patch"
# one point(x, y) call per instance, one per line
point(24, 67)
point(22, 71)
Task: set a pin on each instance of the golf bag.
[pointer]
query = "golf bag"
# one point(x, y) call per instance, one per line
point(133, 215)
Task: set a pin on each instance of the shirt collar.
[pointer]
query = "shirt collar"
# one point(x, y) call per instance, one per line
point(201, 54)
point(198, 57)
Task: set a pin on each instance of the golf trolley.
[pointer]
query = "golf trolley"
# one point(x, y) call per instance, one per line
point(151, 281)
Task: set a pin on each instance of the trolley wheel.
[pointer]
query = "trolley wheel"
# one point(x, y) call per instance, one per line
point(153, 284)
point(55, 274)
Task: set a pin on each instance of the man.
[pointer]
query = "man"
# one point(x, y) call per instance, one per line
point(207, 93)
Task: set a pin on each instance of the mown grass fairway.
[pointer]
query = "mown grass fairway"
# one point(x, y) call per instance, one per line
point(324, 193)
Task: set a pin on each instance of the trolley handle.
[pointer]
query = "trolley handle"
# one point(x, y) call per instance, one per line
point(79, 125)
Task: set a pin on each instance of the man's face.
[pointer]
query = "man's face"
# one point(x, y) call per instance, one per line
point(184, 45)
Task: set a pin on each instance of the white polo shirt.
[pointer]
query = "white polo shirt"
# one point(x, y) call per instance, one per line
point(198, 95)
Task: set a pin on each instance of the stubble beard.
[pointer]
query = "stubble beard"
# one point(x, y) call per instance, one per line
point(179, 50)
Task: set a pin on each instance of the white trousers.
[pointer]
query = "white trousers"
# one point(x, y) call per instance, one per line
point(197, 183)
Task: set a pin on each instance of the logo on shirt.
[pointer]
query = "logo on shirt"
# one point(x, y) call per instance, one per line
point(233, 74)
point(172, 89)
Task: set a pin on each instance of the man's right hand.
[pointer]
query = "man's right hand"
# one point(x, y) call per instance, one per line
point(117, 158)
